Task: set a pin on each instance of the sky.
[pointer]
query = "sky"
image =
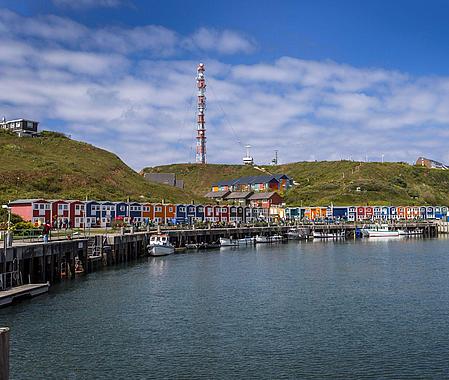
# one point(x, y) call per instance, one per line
point(312, 79)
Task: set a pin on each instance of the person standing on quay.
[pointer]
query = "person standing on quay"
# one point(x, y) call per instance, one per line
point(45, 231)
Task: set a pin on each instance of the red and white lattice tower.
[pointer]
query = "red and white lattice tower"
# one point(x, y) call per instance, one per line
point(201, 121)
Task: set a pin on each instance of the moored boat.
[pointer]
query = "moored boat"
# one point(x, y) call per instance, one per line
point(328, 235)
point(269, 239)
point(160, 246)
point(379, 230)
point(225, 242)
point(296, 234)
point(415, 232)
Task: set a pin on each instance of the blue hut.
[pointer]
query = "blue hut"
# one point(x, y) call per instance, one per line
point(181, 214)
point(340, 213)
point(107, 213)
point(122, 210)
point(93, 213)
point(135, 212)
point(190, 214)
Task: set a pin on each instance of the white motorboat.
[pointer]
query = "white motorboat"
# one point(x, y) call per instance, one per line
point(379, 230)
point(160, 246)
point(415, 232)
point(296, 234)
point(224, 242)
point(328, 235)
point(269, 239)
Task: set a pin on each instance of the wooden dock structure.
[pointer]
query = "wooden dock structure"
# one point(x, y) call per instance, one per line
point(15, 293)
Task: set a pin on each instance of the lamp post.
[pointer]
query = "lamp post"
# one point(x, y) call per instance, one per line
point(6, 243)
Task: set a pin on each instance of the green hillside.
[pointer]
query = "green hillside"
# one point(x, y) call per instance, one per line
point(53, 166)
point(337, 182)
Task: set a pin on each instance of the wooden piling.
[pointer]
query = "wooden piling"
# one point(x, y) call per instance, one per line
point(4, 353)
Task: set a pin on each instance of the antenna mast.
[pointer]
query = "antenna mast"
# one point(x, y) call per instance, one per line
point(201, 122)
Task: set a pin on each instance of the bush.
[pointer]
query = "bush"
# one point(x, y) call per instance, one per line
point(23, 226)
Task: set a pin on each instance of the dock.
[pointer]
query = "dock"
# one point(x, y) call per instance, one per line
point(9, 296)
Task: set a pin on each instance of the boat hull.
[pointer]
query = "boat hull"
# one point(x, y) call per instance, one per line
point(382, 233)
point(160, 250)
point(237, 242)
point(325, 235)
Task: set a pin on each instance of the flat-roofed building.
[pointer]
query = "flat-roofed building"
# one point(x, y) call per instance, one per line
point(22, 127)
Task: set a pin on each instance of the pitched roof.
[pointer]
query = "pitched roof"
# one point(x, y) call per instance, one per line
point(21, 201)
point(257, 196)
point(167, 178)
point(239, 195)
point(217, 194)
point(225, 182)
point(251, 180)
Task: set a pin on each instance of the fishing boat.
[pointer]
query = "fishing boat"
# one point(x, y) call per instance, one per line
point(202, 246)
point(415, 232)
point(296, 234)
point(269, 239)
point(328, 235)
point(225, 242)
point(160, 246)
point(379, 230)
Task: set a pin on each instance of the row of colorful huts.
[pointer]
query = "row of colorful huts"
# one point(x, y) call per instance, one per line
point(367, 213)
point(79, 214)
point(92, 213)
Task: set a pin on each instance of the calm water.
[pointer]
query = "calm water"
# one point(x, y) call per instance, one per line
point(371, 309)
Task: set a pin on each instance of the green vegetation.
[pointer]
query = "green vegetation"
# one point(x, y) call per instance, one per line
point(337, 182)
point(54, 166)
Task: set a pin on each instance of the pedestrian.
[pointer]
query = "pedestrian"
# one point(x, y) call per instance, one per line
point(45, 231)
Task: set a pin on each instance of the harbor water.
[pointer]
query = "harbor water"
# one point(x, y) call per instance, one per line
point(367, 309)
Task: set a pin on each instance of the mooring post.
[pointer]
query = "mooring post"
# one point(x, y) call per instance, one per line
point(4, 353)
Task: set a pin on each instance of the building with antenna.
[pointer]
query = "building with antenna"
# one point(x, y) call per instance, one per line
point(201, 121)
point(248, 160)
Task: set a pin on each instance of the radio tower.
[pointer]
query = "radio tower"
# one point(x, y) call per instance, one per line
point(201, 122)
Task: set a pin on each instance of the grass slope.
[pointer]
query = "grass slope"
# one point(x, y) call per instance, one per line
point(337, 182)
point(54, 166)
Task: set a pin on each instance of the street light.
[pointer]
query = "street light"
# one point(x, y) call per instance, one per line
point(6, 243)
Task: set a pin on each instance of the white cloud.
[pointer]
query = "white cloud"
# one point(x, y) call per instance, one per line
point(224, 41)
point(82, 4)
point(144, 110)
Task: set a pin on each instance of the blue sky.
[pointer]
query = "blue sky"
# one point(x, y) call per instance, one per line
point(312, 79)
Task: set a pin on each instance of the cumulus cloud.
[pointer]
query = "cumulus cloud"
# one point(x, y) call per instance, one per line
point(88, 82)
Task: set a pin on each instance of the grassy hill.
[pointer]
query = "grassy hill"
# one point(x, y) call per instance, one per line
point(53, 166)
point(337, 182)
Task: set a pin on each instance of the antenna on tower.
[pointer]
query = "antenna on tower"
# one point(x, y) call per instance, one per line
point(274, 161)
point(248, 160)
point(201, 121)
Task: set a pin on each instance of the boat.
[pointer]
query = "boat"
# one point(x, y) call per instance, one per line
point(269, 239)
point(328, 235)
point(160, 246)
point(415, 232)
point(296, 234)
point(202, 246)
point(225, 242)
point(379, 230)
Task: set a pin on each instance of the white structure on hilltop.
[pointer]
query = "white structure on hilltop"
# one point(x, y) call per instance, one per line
point(22, 127)
point(248, 160)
